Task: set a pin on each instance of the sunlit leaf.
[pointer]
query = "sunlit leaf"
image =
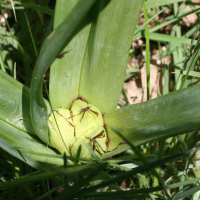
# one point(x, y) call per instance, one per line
point(52, 46)
point(168, 115)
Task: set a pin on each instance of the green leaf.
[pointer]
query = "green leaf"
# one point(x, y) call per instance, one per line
point(52, 46)
point(155, 3)
point(165, 38)
point(20, 155)
point(15, 103)
point(191, 73)
point(80, 170)
point(186, 193)
point(125, 175)
point(66, 71)
point(174, 19)
point(28, 144)
point(139, 191)
point(96, 70)
point(142, 158)
point(72, 193)
point(49, 192)
point(191, 63)
point(168, 115)
point(149, 20)
point(15, 121)
point(106, 56)
point(22, 5)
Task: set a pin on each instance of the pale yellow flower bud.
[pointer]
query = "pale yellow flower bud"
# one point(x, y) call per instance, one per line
point(61, 130)
point(83, 125)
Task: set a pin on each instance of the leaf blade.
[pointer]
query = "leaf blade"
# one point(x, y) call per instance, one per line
point(65, 72)
point(52, 46)
point(15, 121)
point(15, 103)
point(106, 56)
point(158, 118)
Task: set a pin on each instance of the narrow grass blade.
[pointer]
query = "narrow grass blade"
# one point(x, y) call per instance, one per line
point(173, 20)
point(165, 38)
point(147, 55)
point(13, 10)
point(139, 191)
point(49, 192)
point(190, 73)
point(72, 193)
point(23, 5)
point(142, 158)
point(178, 54)
point(15, 71)
point(192, 62)
point(52, 46)
point(120, 197)
point(186, 193)
point(18, 154)
point(76, 162)
point(81, 170)
point(125, 175)
point(99, 161)
point(170, 49)
point(2, 12)
point(142, 27)
point(50, 27)
point(29, 28)
point(66, 181)
point(2, 62)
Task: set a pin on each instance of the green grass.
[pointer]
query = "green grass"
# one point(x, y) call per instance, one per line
point(162, 169)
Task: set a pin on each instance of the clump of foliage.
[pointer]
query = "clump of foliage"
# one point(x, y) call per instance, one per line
point(54, 119)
